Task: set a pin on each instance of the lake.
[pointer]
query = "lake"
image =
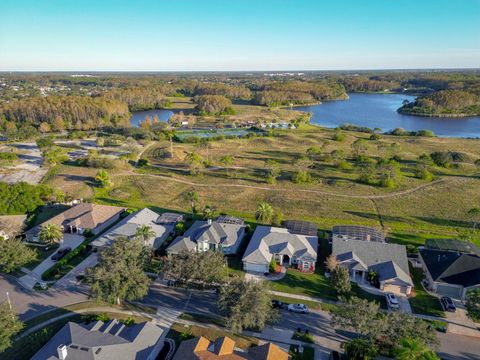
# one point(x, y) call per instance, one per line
point(380, 111)
point(139, 116)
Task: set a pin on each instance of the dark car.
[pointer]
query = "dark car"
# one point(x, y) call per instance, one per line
point(61, 253)
point(277, 304)
point(335, 355)
point(448, 304)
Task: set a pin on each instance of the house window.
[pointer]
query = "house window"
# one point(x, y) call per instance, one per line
point(211, 246)
point(306, 265)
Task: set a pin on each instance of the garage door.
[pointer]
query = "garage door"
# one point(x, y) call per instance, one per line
point(261, 268)
point(393, 289)
point(451, 291)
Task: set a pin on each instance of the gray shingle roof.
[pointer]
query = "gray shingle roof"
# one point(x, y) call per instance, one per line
point(102, 341)
point(267, 240)
point(128, 227)
point(452, 267)
point(388, 260)
point(229, 236)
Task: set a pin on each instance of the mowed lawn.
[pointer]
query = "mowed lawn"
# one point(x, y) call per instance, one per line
point(318, 286)
point(423, 302)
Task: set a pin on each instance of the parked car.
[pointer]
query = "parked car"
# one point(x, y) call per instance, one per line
point(61, 253)
point(448, 304)
point(299, 308)
point(277, 304)
point(392, 301)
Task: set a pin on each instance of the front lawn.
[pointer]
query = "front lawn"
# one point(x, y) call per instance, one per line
point(423, 302)
point(317, 285)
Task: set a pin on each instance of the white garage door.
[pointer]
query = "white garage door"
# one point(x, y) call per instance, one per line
point(261, 268)
point(451, 291)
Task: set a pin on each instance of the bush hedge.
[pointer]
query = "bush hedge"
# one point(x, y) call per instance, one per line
point(50, 273)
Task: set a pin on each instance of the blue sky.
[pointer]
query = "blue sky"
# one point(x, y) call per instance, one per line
point(169, 35)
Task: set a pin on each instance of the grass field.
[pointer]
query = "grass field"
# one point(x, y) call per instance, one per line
point(410, 213)
point(422, 302)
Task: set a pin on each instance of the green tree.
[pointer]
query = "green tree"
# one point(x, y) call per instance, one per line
point(273, 265)
point(119, 274)
point(50, 234)
point(14, 254)
point(194, 161)
point(473, 303)
point(10, 326)
point(413, 349)
point(264, 213)
point(226, 161)
point(145, 233)
point(331, 263)
point(246, 304)
point(209, 212)
point(341, 281)
point(103, 179)
point(474, 214)
point(273, 171)
point(55, 155)
point(359, 147)
point(193, 197)
point(360, 349)
point(196, 268)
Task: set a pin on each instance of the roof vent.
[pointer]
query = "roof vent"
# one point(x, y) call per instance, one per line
point(62, 351)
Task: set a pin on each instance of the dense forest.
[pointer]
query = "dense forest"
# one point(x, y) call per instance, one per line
point(57, 113)
point(38, 103)
point(444, 103)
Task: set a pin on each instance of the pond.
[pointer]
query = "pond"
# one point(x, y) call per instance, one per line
point(138, 116)
point(380, 111)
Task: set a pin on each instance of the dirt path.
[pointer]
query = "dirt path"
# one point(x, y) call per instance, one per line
point(266, 188)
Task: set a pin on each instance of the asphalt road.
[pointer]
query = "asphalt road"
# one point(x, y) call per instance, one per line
point(29, 304)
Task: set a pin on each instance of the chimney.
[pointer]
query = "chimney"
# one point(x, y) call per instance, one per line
point(62, 352)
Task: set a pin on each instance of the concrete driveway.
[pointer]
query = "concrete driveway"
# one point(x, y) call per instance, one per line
point(404, 304)
point(460, 323)
point(69, 240)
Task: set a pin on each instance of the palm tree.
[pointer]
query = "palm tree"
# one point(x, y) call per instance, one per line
point(102, 178)
point(475, 214)
point(412, 349)
point(226, 161)
point(209, 212)
point(194, 160)
point(145, 233)
point(50, 234)
point(264, 213)
point(170, 134)
point(193, 197)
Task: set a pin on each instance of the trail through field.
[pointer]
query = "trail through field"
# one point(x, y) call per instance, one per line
point(320, 192)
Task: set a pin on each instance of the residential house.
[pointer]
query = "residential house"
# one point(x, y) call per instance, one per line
point(354, 232)
point(161, 225)
point(210, 235)
point(223, 348)
point(388, 261)
point(100, 340)
point(286, 248)
point(81, 217)
point(451, 272)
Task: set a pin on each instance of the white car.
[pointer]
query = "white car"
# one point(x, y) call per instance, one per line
point(298, 308)
point(392, 301)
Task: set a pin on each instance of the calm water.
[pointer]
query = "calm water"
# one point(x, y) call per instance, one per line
point(139, 116)
point(380, 110)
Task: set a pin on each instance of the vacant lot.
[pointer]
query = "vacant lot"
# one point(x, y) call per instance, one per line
point(413, 210)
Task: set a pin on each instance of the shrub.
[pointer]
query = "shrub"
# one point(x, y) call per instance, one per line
point(338, 135)
point(302, 177)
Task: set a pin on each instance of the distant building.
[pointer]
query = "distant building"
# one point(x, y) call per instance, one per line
point(286, 248)
point(224, 348)
point(79, 218)
point(210, 235)
point(103, 341)
point(355, 232)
